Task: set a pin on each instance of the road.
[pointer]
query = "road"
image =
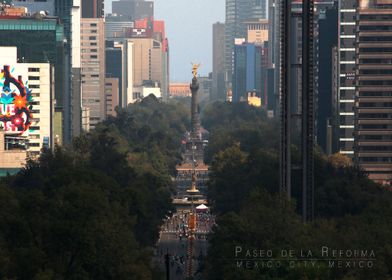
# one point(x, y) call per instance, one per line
point(177, 249)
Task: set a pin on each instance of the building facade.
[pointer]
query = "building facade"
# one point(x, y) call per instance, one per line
point(237, 13)
point(93, 68)
point(346, 86)
point(247, 72)
point(111, 96)
point(26, 101)
point(373, 90)
point(93, 9)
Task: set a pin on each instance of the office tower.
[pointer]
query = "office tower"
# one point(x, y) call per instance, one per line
point(114, 66)
point(69, 13)
point(346, 45)
point(237, 12)
point(111, 96)
point(258, 34)
point(218, 62)
point(93, 9)
point(373, 94)
point(119, 64)
point(273, 71)
point(133, 9)
point(150, 59)
point(93, 68)
point(307, 104)
point(326, 42)
point(247, 71)
point(159, 61)
point(26, 101)
point(257, 31)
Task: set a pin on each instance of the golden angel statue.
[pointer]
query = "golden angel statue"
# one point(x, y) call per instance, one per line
point(195, 66)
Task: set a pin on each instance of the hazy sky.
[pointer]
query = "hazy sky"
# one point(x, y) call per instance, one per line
point(189, 29)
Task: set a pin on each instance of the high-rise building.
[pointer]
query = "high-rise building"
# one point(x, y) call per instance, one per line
point(218, 62)
point(119, 64)
point(93, 68)
point(39, 40)
point(133, 9)
point(69, 14)
point(326, 39)
point(373, 94)
point(346, 86)
point(247, 71)
point(237, 12)
point(26, 101)
point(93, 9)
point(257, 31)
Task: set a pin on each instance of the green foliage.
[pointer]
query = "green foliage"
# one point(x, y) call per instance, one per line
point(238, 123)
point(151, 133)
point(93, 210)
point(352, 212)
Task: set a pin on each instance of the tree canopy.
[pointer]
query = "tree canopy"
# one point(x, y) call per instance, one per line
point(352, 212)
point(94, 210)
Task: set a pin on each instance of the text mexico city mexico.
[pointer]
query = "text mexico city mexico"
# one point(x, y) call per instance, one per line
point(251, 258)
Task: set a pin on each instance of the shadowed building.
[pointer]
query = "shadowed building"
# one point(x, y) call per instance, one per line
point(373, 93)
point(93, 9)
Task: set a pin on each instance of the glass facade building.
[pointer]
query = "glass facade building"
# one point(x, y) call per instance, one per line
point(37, 41)
point(237, 13)
point(247, 71)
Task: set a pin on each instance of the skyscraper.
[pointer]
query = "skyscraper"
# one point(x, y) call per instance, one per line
point(247, 71)
point(69, 13)
point(93, 68)
point(237, 12)
point(40, 40)
point(218, 69)
point(373, 94)
point(346, 86)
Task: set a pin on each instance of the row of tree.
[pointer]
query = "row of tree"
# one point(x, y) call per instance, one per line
point(352, 212)
point(93, 210)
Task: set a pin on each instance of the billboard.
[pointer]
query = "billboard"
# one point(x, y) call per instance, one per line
point(15, 103)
